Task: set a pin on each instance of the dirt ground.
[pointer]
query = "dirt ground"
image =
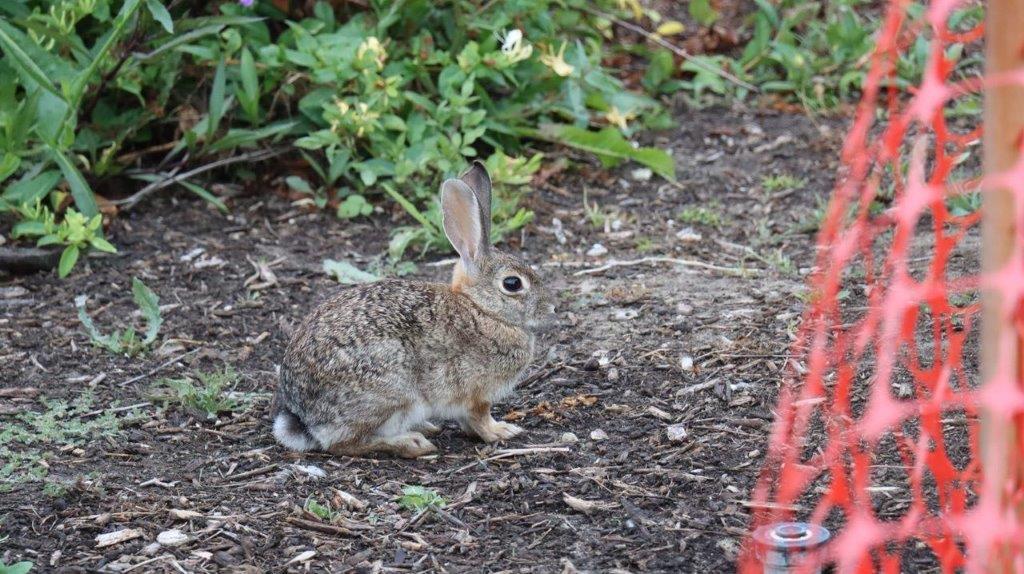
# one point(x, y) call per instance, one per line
point(651, 401)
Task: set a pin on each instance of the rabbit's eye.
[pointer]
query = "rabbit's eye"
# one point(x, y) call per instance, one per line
point(512, 283)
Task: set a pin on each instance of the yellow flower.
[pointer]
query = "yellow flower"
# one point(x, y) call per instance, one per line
point(617, 118)
point(557, 61)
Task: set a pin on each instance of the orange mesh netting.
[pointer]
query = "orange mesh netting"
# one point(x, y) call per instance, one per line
point(877, 430)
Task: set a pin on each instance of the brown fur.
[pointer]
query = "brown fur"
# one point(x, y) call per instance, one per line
point(366, 370)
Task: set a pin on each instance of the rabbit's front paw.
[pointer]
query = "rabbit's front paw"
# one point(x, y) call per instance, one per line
point(499, 431)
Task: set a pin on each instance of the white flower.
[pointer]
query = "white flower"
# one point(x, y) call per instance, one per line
point(512, 41)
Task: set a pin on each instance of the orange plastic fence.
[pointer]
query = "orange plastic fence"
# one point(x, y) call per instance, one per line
point(882, 400)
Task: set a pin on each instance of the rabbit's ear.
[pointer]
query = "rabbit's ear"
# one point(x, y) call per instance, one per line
point(460, 214)
point(480, 182)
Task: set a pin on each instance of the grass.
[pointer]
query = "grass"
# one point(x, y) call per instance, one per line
point(206, 393)
point(27, 443)
point(700, 216)
point(782, 182)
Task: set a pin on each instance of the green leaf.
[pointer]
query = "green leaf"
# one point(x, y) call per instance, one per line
point(205, 194)
point(33, 189)
point(217, 100)
point(418, 498)
point(110, 342)
point(247, 70)
point(16, 568)
point(149, 304)
point(22, 60)
point(67, 260)
point(102, 244)
point(703, 12)
point(609, 146)
point(298, 184)
point(354, 206)
point(28, 229)
point(8, 165)
point(80, 189)
point(161, 15)
point(346, 273)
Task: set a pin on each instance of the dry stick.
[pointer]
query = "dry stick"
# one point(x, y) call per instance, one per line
point(318, 526)
point(674, 49)
point(159, 368)
point(510, 452)
point(129, 202)
point(682, 262)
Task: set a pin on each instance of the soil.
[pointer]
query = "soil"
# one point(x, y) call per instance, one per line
point(664, 374)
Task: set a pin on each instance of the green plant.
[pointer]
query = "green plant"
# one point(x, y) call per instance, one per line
point(16, 568)
point(782, 182)
point(75, 232)
point(699, 215)
point(382, 99)
point(323, 512)
point(419, 498)
point(206, 393)
point(26, 441)
point(126, 342)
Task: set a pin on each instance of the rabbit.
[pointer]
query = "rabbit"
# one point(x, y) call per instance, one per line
point(368, 370)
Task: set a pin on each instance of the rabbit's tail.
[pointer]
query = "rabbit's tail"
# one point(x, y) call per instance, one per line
point(290, 431)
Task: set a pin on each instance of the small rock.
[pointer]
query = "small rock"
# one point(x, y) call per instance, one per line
point(642, 174)
point(613, 374)
point(558, 230)
point(688, 235)
point(684, 308)
point(568, 437)
point(676, 432)
point(686, 363)
point(172, 537)
point(151, 548)
point(598, 434)
point(597, 250)
point(625, 315)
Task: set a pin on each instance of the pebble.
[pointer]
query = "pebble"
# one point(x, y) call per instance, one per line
point(568, 437)
point(173, 537)
point(686, 363)
point(597, 250)
point(642, 174)
point(598, 434)
point(613, 374)
point(688, 235)
point(625, 315)
point(676, 432)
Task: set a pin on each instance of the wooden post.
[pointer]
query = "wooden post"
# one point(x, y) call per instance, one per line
point(1004, 122)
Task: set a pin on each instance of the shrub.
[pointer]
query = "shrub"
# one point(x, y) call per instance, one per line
point(381, 101)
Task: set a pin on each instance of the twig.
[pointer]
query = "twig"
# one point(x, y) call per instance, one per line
point(129, 202)
point(674, 49)
point(159, 368)
point(117, 410)
point(318, 526)
point(682, 262)
point(510, 452)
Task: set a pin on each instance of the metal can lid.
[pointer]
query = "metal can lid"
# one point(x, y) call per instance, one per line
point(791, 536)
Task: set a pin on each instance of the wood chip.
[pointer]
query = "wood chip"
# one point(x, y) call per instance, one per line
point(117, 537)
point(586, 506)
point(303, 557)
point(173, 537)
point(178, 514)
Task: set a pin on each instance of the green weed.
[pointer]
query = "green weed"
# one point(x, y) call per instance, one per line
point(126, 341)
point(782, 182)
point(207, 393)
point(323, 512)
point(699, 215)
point(419, 498)
point(26, 443)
